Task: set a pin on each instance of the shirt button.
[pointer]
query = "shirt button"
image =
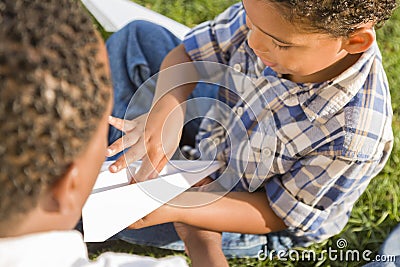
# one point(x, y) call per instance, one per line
point(267, 152)
point(216, 141)
point(237, 67)
point(292, 101)
point(239, 111)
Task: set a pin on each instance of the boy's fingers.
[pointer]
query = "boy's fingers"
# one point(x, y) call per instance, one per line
point(204, 181)
point(146, 221)
point(158, 169)
point(161, 165)
point(116, 122)
point(141, 223)
point(130, 172)
point(130, 156)
point(153, 175)
point(135, 153)
point(146, 170)
point(125, 141)
point(122, 125)
point(161, 215)
point(118, 165)
point(115, 148)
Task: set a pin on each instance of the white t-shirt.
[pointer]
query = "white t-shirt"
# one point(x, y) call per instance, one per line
point(67, 249)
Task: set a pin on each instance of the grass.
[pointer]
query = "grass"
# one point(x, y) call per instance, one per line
point(376, 212)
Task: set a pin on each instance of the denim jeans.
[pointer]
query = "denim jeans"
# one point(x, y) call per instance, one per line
point(135, 54)
point(391, 247)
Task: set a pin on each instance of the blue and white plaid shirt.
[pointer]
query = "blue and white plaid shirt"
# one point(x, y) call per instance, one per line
point(331, 138)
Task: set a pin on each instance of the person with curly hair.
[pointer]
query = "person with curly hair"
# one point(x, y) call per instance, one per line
point(55, 100)
point(318, 71)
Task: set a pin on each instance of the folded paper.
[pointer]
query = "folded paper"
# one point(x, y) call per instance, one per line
point(115, 203)
point(115, 14)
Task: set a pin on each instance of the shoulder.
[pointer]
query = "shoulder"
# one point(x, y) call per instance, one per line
point(368, 116)
point(367, 125)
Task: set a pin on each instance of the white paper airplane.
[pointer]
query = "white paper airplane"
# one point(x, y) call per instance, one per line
point(115, 203)
point(115, 14)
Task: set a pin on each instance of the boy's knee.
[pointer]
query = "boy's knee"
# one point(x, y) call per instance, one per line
point(145, 30)
point(137, 28)
point(142, 25)
point(141, 29)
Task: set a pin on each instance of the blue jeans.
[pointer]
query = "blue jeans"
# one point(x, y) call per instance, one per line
point(391, 247)
point(135, 54)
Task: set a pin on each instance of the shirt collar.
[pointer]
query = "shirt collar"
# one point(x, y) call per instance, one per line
point(323, 100)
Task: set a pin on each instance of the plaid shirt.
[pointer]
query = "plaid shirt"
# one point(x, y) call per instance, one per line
point(315, 146)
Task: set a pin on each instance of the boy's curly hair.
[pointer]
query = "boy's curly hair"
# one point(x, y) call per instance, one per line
point(338, 18)
point(53, 92)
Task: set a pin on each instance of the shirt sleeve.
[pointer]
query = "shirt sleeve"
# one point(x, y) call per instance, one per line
point(217, 39)
point(318, 189)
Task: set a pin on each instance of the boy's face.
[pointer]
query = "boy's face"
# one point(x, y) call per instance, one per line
point(298, 55)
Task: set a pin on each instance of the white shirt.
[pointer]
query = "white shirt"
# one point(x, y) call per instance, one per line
point(66, 248)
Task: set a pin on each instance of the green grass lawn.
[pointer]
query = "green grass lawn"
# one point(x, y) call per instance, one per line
point(377, 212)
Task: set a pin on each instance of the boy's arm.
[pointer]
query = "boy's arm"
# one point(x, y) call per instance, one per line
point(175, 70)
point(235, 212)
point(211, 41)
point(156, 135)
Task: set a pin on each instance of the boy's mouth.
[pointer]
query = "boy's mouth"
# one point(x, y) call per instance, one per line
point(267, 63)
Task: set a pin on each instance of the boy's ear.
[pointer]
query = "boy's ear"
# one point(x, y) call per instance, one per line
point(360, 40)
point(62, 195)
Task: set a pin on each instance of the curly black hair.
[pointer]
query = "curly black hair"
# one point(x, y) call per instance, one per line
point(53, 92)
point(338, 18)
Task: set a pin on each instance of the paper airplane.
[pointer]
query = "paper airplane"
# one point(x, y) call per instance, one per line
point(115, 203)
point(115, 14)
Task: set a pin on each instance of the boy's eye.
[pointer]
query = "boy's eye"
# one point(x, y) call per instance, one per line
point(282, 47)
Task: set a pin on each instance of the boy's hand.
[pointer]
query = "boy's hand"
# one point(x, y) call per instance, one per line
point(133, 131)
point(163, 214)
point(152, 137)
point(155, 136)
point(204, 181)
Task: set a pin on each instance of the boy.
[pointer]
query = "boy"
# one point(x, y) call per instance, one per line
point(319, 67)
point(55, 99)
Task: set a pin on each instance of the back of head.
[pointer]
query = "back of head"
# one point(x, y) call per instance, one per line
point(338, 18)
point(53, 92)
